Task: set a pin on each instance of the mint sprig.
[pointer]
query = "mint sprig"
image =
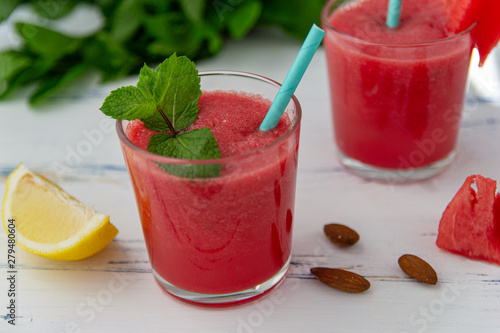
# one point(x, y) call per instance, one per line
point(191, 145)
point(166, 99)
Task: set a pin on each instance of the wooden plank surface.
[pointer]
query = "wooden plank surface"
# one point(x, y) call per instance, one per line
point(71, 142)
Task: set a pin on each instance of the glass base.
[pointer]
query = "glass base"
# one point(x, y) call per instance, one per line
point(399, 175)
point(222, 300)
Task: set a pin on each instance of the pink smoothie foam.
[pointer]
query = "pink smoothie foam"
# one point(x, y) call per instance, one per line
point(226, 114)
point(421, 21)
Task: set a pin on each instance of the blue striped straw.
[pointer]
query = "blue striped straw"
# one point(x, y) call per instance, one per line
point(393, 13)
point(292, 79)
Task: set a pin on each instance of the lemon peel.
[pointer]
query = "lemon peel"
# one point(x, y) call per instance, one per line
point(51, 223)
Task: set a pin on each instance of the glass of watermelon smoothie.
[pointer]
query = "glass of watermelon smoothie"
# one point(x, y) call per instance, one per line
point(396, 93)
point(221, 240)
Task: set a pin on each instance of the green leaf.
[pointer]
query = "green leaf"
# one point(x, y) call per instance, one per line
point(294, 16)
point(47, 43)
point(128, 103)
point(244, 18)
point(170, 26)
point(177, 90)
point(54, 83)
point(126, 20)
point(155, 123)
point(6, 7)
point(172, 33)
point(159, 6)
point(214, 40)
point(12, 62)
point(147, 79)
point(194, 9)
point(53, 9)
point(167, 77)
point(138, 31)
point(197, 144)
point(37, 69)
point(108, 56)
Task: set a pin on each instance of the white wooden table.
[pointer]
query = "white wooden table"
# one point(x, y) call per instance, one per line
point(114, 291)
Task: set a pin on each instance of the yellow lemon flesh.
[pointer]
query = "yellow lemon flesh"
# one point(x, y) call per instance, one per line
point(49, 222)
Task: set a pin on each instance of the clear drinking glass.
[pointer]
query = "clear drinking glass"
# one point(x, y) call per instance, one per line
point(396, 107)
point(224, 240)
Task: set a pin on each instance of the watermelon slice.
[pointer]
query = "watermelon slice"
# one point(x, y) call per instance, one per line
point(485, 13)
point(470, 225)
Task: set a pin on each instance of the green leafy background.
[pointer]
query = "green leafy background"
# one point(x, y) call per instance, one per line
point(136, 32)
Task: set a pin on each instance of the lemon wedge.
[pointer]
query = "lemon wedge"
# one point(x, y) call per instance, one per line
point(49, 222)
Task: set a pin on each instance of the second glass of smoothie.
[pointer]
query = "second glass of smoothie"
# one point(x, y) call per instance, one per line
point(397, 93)
point(221, 240)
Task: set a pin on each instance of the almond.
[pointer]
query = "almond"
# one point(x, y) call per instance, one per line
point(341, 234)
point(340, 279)
point(418, 269)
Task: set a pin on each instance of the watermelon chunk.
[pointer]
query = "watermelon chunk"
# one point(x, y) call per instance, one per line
point(470, 225)
point(485, 13)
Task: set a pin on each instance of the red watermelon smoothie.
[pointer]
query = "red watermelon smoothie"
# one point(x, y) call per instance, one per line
point(223, 240)
point(397, 94)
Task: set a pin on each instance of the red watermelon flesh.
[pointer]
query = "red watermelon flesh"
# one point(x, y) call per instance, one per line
point(470, 225)
point(485, 13)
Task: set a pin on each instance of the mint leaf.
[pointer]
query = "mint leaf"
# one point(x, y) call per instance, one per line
point(173, 33)
point(128, 103)
point(147, 79)
point(244, 18)
point(135, 31)
point(155, 123)
point(127, 19)
point(54, 83)
point(175, 87)
point(166, 99)
point(293, 16)
point(214, 40)
point(107, 55)
point(38, 68)
point(177, 90)
point(11, 63)
point(198, 144)
point(53, 10)
point(6, 8)
point(47, 43)
point(194, 9)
